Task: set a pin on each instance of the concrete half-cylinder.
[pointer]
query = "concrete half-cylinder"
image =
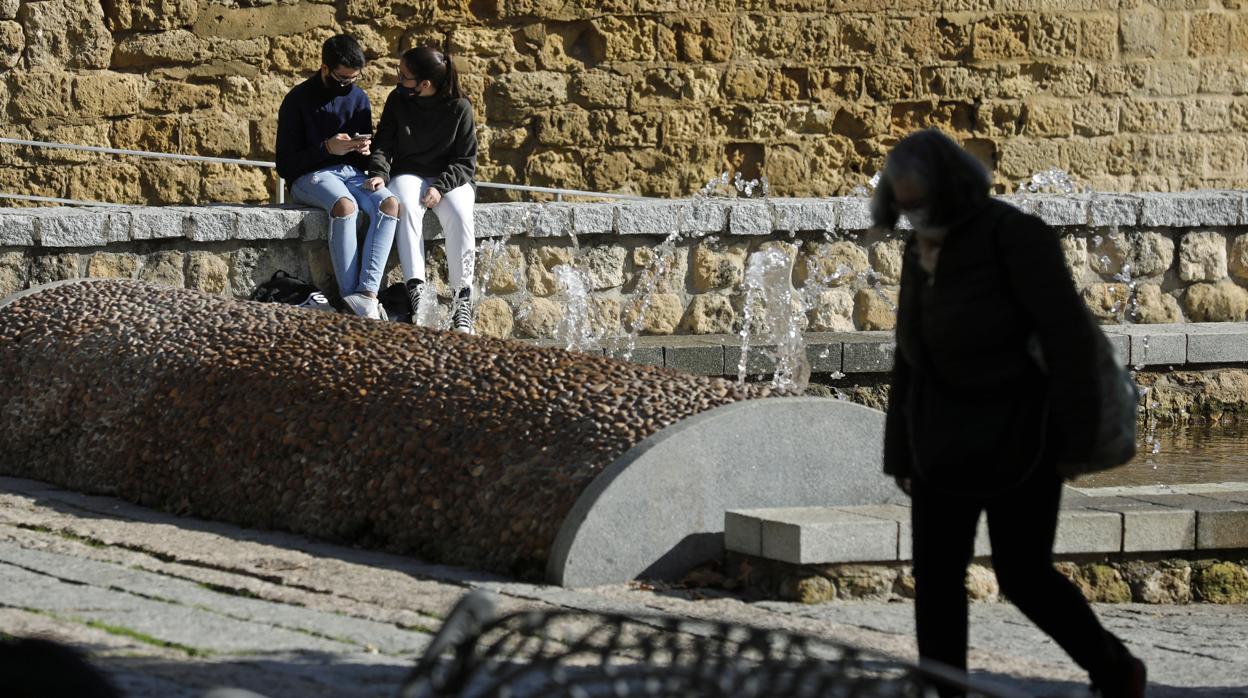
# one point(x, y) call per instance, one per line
point(659, 509)
point(484, 453)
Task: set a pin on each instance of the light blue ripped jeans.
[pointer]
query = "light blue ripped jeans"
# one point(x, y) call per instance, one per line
point(356, 270)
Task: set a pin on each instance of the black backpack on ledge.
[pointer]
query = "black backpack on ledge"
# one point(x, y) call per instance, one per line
point(284, 288)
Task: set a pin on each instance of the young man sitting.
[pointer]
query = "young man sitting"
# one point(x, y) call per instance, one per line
point(324, 130)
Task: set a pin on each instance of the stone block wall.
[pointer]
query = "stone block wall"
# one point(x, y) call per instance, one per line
point(664, 268)
point(649, 96)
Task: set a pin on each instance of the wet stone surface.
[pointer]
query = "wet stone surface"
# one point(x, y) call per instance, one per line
point(463, 450)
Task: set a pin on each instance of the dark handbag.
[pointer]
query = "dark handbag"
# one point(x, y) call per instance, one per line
point(1118, 397)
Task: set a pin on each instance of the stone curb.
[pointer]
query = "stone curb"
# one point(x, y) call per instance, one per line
point(1137, 346)
point(95, 227)
point(1113, 520)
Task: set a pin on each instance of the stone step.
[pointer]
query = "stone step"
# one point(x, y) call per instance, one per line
point(1108, 520)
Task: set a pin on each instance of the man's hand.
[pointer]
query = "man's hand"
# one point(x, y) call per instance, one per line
point(903, 484)
point(431, 198)
point(374, 183)
point(341, 144)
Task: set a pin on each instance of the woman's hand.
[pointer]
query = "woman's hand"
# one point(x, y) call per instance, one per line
point(374, 183)
point(431, 198)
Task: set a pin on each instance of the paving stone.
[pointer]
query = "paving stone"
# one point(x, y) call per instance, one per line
point(215, 224)
point(811, 535)
point(1121, 344)
point(167, 622)
point(593, 219)
point(551, 220)
point(667, 217)
point(895, 513)
point(1060, 209)
point(1220, 524)
point(1209, 343)
point(1108, 210)
point(498, 220)
point(743, 531)
point(1156, 345)
point(142, 584)
point(1087, 531)
point(824, 354)
point(68, 227)
point(758, 362)
point(706, 358)
point(852, 213)
point(269, 223)
point(1147, 526)
point(315, 225)
point(17, 229)
point(797, 215)
point(120, 221)
point(1189, 209)
point(868, 352)
point(155, 223)
point(749, 218)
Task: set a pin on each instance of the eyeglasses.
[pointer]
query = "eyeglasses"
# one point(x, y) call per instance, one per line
point(344, 82)
point(405, 79)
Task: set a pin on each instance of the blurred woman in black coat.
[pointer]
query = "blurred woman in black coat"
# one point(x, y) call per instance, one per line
point(994, 358)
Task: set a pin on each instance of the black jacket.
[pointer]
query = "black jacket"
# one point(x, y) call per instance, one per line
point(969, 404)
point(426, 136)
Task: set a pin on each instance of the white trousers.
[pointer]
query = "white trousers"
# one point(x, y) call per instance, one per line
point(454, 212)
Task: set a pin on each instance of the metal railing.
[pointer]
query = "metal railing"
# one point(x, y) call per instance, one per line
point(279, 196)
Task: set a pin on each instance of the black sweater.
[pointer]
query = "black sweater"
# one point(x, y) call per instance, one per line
point(426, 136)
point(962, 335)
point(311, 113)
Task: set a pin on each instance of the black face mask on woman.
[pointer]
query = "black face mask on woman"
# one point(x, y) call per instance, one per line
point(406, 91)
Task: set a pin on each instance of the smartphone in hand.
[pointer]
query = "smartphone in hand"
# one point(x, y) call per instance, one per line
point(358, 137)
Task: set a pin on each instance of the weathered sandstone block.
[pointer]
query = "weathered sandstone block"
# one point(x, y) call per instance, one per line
point(207, 272)
point(112, 265)
point(1153, 306)
point(1238, 263)
point(541, 261)
point(1202, 257)
point(833, 311)
point(831, 264)
point(709, 314)
point(659, 314)
point(875, 308)
point(1220, 302)
point(718, 268)
point(537, 319)
point(494, 318)
point(1153, 254)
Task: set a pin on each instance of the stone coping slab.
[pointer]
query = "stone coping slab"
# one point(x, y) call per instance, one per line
point(98, 226)
point(1097, 520)
point(1137, 346)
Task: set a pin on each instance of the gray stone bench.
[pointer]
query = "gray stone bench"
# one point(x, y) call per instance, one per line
point(1181, 518)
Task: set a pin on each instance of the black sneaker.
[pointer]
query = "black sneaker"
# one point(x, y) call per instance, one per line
point(414, 288)
point(461, 311)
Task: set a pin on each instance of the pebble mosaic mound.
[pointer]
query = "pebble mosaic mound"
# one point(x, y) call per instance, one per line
point(463, 450)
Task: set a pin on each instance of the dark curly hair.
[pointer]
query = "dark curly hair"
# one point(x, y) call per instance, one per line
point(954, 182)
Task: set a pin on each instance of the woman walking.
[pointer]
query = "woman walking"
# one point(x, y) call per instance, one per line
point(426, 149)
point(975, 422)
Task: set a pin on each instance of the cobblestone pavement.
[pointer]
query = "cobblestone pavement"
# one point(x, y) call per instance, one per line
point(174, 606)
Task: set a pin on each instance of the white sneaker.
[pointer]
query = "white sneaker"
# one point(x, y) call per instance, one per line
point(363, 306)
